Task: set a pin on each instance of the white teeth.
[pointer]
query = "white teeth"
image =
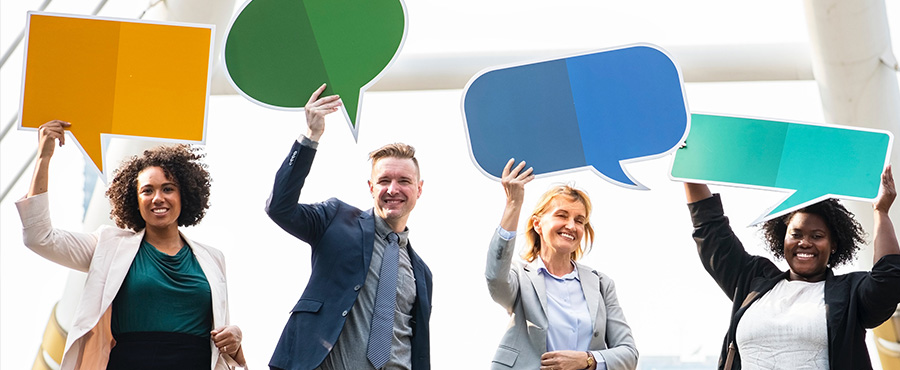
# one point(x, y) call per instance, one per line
point(804, 255)
point(567, 236)
point(160, 210)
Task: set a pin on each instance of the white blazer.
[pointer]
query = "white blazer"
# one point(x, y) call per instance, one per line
point(106, 255)
point(519, 288)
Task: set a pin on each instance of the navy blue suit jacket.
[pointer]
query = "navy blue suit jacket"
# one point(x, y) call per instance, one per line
point(342, 238)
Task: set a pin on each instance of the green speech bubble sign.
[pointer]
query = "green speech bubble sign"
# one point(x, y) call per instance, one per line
point(277, 52)
point(812, 162)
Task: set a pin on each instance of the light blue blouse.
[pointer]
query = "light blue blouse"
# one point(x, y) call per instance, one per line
point(567, 311)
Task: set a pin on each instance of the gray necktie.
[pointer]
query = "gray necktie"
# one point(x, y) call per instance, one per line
point(382, 330)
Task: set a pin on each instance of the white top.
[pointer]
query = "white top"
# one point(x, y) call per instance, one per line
point(785, 328)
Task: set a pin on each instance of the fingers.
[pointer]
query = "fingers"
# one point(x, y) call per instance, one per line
point(516, 172)
point(527, 175)
point(227, 338)
point(508, 167)
point(55, 129)
point(329, 103)
point(315, 94)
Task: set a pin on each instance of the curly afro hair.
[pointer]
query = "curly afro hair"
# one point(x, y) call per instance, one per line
point(846, 233)
point(181, 164)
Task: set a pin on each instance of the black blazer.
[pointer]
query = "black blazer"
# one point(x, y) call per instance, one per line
point(342, 238)
point(854, 301)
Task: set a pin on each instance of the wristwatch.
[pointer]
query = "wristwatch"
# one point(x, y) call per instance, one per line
point(590, 360)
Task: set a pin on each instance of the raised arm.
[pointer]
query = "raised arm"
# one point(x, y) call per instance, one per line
point(70, 249)
point(301, 220)
point(885, 241)
point(48, 134)
point(696, 192)
point(501, 279)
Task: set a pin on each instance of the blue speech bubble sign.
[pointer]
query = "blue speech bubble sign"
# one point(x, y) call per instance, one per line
point(599, 110)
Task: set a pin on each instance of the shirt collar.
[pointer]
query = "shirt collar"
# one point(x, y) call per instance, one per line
point(382, 230)
point(570, 276)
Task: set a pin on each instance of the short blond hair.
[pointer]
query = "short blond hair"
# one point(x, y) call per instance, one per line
point(533, 239)
point(395, 150)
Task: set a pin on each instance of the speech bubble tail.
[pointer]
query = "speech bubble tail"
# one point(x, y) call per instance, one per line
point(352, 101)
point(617, 175)
point(796, 200)
point(353, 124)
point(93, 145)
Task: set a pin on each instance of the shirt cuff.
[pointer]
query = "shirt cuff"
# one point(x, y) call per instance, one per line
point(305, 141)
point(601, 362)
point(504, 234)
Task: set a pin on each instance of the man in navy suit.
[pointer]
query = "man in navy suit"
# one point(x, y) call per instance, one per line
point(329, 327)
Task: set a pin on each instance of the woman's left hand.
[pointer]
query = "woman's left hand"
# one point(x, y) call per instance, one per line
point(563, 360)
point(227, 339)
point(887, 193)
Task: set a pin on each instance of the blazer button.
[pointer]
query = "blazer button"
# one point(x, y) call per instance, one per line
point(356, 288)
point(344, 313)
point(596, 334)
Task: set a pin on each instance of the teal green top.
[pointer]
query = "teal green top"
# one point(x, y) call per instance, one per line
point(163, 293)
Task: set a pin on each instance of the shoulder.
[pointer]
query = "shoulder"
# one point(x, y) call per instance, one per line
point(336, 205)
point(108, 231)
point(585, 269)
point(213, 252)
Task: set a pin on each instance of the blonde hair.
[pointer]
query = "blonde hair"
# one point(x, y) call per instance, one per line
point(395, 150)
point(533, 239)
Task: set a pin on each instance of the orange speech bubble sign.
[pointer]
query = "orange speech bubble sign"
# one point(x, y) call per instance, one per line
point(116, 77)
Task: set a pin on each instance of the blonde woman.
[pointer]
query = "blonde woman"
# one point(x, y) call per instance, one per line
point(563, 315)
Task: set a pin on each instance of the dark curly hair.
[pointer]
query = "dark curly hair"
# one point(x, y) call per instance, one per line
point(846, 233)
point(181, 164)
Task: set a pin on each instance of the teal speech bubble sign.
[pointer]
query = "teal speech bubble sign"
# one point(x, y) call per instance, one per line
point(277, 52)
point(811, 162)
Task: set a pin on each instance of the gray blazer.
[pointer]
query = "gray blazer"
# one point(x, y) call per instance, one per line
point(519, 288)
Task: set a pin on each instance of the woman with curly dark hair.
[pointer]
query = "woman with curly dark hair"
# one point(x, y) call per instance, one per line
point(806, 317)
point(153, 299)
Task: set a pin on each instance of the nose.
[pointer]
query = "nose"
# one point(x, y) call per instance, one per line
point(392, 188)
point(157, 197)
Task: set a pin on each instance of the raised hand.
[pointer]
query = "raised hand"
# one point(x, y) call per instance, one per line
point(887, 193)
point(48, 134)
point(514, 180)
point(885, 240)
point(316, 109)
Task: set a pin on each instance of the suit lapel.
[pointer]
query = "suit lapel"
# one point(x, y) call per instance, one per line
point(215, 278)
point(590, 285)
point(367, 225)
point(123, 255)
point(537, 281)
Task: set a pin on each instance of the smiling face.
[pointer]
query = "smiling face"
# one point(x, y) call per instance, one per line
point(159, 199)
point(395, 186)
point(807, 247)
point(561, 226)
